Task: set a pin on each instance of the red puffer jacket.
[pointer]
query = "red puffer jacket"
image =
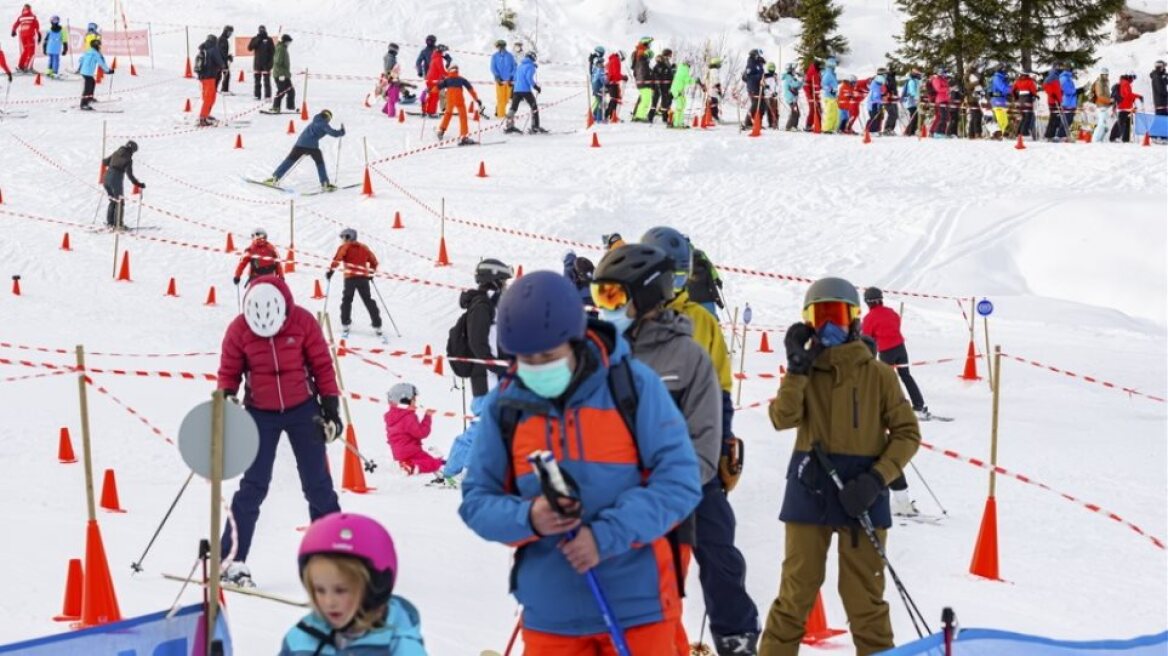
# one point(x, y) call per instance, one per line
point(883, 324)
point(613, 71)
point(284, 370)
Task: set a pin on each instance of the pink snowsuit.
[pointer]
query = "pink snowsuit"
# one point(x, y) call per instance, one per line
point(405, 433)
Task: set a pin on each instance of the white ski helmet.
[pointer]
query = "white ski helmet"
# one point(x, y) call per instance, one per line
point(265, 309)
point(402, 393)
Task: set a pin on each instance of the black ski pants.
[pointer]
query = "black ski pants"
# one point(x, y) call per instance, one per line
point(614, 99)
point(529, 98)
point(1122, 127)
point(662, 99)
point(87, 89)
point(898, 355)
point(793, 117)
point(892, 111)
point(1026, 128)
point(284, 91)
point(114, 184)
point(264, 79)
point(721, 567)
point(911, 128)
point(358, 285)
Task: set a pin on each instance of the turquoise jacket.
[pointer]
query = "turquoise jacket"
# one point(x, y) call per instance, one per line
point(401, 636)
point(90, 61)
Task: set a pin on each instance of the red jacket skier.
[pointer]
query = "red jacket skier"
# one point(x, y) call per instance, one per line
point(435, 73)
point(29, 31)
point(4, 66)
point(811, 88)
point(883, 324)
point(260, 258)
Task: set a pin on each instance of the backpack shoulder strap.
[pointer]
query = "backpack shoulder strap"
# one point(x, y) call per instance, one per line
point(624, 393)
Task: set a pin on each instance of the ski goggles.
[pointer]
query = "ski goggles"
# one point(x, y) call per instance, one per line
point(259, 234)
point(680, 279)
point(838, 312)
point(610, 295)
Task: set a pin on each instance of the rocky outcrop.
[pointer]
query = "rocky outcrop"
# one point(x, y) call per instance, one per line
point(1131, 23)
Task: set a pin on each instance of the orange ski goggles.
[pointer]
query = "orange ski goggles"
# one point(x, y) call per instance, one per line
point(840, 313)
point(610, 295)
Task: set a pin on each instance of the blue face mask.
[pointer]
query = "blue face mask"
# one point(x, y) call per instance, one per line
point(832, 335)
point(548, 380)
point(618, 318)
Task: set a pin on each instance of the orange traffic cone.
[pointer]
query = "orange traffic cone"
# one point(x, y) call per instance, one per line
point(241, 75)
point(65, 447)
point(188, 72)
point(187, 107)
point(756, 124)
point(353, 476)
point(133, 70)
point(1, 197)
point(341, 350)
point(1017, 145)
point(426, 353)
point(815, 630)
point(291, 126)
point(401, 116)
point(970, 372)
point(99, 76)
point(519, 272)
point(71, 609)
point(482, 169)
point(1147, 139)
point(595, 140)
point(707, 118)
point(16, 285)
point(210, 296)
point(397, 222)
point(443, 259)
point(317, 292)
point(238, 141)
point(367, 185)
point(985, 552)
point(696, 123)
point(124, 271)
point(304, 110)
point(172, 288)
point(290, 262)
point(867, 135)
point(109, 493)
point(438, 366)
point(764, 346)
point(37, 81)
point(230, 247)
point(590, 121)
point(65, 243)
point(99, 602)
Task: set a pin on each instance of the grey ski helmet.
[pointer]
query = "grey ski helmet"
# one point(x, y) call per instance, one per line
point(259, 233)
point(677, 247)
point(349, 234)
point(402, 393)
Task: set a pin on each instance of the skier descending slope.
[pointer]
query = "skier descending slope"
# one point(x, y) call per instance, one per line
point(280, 348)
point(259, 259)
point(359, 264)
point(308, 143)
point(637, 474)
point(525, 89)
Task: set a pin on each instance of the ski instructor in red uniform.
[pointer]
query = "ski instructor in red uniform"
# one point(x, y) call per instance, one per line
point(28, 30)
point(291, 388)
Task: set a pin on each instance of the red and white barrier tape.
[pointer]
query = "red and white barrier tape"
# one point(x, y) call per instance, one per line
point(61, 351)
point(137, 415)
point(13, 379)
point(74, 98)
point(1130, 391)
point(242, 199)
point(370, 235)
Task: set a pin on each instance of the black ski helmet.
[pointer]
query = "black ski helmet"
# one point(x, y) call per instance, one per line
point(492, 272)
point(873, 295)
point(645, 271)
point(584, 268)
point(132, 146)
point(431, 39)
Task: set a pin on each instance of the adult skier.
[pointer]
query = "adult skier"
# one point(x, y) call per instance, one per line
point(661, 76)
point(1126, 104)
point(830, 86)
point(209, 67)
point(263, 51)
point(678, 87)
point(56, 44)
point(910, 95)
point(308, 143)
point(1025, 94)
point(225, 54)
point(479, 306)
point(1104, 107)
point(642, 76)
point(426, 54)
point(890, 104)
point(939, 94)
point(435, 73)
point(633, 477)
point(850, 408)
point(453, 85)
point(282, 72)
point(28, 29)
point(291, 387)
point(792, 85)
point(260, 258)
point(631, 288)
point(876, 103)
point(705, 284)
point(597, 81)
point(1000, 97)
point(358, 264)
point(87, 67)
point(1052, 87)
point(1070, 100)
point(525, 89)
point(849, 104)
point(119, 165)
point(503, 69)
point(811, 89)
point(752, 76)
point(882, 324)
point(615, 78)
point(1159, 77)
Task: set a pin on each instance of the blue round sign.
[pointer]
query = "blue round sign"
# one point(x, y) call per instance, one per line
point(984, 307)
point(747, 314)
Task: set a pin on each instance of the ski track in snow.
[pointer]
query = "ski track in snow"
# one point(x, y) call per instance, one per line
point(950, 218)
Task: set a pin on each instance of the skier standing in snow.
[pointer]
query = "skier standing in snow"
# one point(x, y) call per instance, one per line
point(282, 72)
point(939, 93)
point(752, 76)
point(792, 85)
point(308, 143)
point(910, 95)
point(87, 67)
point(348, 566)
point(891, 106)
point(1070, 100)
point(263, 51)
point(390, 85)
point(642, 76)
point(615, 78)
point(1159, 78)
point(453, 85)
point(1052, 87)
point(1000, 97)
point(634, 471)
point(848, 104)
point(28, 29)
point(830, 85)
point(869, 434)
point(770, 88)
point(291, 387)
point(119, 165)
point(56, 44)
point(1126, 104)
point(1104, 107)
point(435, 73)
point(1025, 92)
point(225, 54)
point(876, 103)
point(426, 55)
point(479, 304)
point(661, 76)
point(260, 258)
point(678, 88)
point(91, 32)
point(209, 66)
point(597, 80)
point(882, 324)
point(503, 69)
point(811, 89)
point(359, 264)
point(525, 89)
point(405, 432)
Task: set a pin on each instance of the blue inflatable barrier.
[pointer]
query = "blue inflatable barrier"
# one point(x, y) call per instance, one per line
point(990, 642)
point(148, 635)
point(1152, 124)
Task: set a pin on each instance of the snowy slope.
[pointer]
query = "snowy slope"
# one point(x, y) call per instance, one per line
point(1068, 241)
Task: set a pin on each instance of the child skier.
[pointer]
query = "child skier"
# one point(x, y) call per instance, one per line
point(359, 264)
point(260, 258)
point(308, 143)
point(87, 67)
point(525, 89)
point(405, 432)
point(56, 44)
point(453, 85)
point(348, 566)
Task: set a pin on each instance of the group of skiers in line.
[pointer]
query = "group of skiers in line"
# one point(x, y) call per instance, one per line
point(663, 85)
point(270, 60)
point(994, 104)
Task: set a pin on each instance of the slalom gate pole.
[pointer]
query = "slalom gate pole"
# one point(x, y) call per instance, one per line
point(935, 499)
point(866, 523)
point(138, 221)
point(238, 300)
point(136, 566)
point(384, 307)
point(328, 286)
point(337, 168)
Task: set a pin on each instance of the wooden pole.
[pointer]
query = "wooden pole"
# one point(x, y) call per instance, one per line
point(734, 330)
point(188, 30)
point(86, 452)
point(986, 330)
point(292, 224)
point(304, 89)
point(150, 42)
point(442, 225)
point(216, 503)
point(994, 425)
point(328, 326)
point(117, 235)
point(742, 364)
point(973, 320)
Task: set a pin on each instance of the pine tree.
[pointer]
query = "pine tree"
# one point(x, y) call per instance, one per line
point(1045, 31)
point(818, 39)
point(946, 33)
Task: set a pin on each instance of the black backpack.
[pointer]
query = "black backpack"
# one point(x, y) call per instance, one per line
point(201, 61)
point(458, 346)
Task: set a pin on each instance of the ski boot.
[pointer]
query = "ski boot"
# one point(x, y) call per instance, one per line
point(345, 329)
point(271, 182)
point(87, 108)
point(440, 480)
point(237, 574)
point(743, 644)
point(466, 141)
point(903, 505)
point(923, 413)
point(328, 186)
point(441, 134)
point(535, 129)
point(380, 334)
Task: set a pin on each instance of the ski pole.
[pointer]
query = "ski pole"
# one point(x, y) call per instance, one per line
point(100, 198)
point(136, 566)
point(870, 530)
point(141, 197)
point(328, 286)
point(337, 168)
point(238, 300)
point(935, 499)
point(330, 435)
point(385, 307)
point(555, 486)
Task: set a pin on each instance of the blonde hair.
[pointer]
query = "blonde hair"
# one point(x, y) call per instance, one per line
point(356, 574)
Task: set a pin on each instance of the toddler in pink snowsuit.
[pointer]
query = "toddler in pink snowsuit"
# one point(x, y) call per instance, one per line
point(405, 432)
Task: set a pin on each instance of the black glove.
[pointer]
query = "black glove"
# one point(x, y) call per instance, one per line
point(330, 410)
point(799, 357)
point(230, 395)
point(858, 495)
point(328, 274)
point(235, 280)
point(10, 78)
point(141, 185)
point(538, 89)
point(14, 34)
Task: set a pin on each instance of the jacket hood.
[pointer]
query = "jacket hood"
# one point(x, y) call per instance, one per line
point(845, 356)
point(397, 414)
point(278, 283)
point(26, 11)
point(666, 326)
point(468, 296)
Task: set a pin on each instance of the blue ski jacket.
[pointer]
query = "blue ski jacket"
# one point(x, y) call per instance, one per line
point(910, 95)
point(830, 83)
point(401, 636)
point(503, 66)
point(876, 90)
point(90, 61)
point(599, 79)
point(1000, 90)
point(525, 76)
point(1070, 93)
point(55, 43)
point(631, 492)
point(792, 85)
point(752, 76)
point(318, 129)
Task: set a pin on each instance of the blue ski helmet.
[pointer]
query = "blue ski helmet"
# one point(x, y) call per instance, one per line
point(539, 312)
point(677, 247)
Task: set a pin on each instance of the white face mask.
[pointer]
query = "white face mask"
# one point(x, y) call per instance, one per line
point(618, 318)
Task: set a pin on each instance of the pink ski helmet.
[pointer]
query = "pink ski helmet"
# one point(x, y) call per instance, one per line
point(350, 534)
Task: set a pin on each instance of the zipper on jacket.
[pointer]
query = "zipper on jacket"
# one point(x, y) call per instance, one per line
point(855, 408)
point(276, 363)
